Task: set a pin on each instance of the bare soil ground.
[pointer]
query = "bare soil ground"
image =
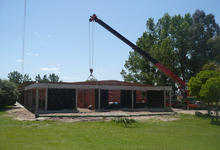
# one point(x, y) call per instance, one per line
point(18, 112)
point(191, 112)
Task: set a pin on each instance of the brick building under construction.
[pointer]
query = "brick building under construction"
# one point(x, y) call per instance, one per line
point(107, 94)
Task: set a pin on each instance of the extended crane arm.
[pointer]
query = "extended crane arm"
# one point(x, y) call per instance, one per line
point(140, 51)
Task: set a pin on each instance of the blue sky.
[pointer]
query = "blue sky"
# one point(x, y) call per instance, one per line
point(57, 37)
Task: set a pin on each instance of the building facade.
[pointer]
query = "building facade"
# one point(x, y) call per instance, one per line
point(107, 94)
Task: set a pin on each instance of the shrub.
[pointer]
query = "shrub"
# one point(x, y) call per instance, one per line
point(8, 93)
point(124, 121)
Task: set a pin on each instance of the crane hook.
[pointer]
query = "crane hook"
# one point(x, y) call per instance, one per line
point(91, 71)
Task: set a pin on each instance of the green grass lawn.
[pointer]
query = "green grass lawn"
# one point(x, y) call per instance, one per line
point(188, 133)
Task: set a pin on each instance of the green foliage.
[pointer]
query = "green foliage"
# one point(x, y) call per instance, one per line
point(205, 75)
point(45, 79)
point(210, 91)
point(178, 42)
point(214, 44)
point(38, 78)
point(211, 66)
point(91, 79)
point(195, 83)
point(194, 86)
point(8, 93)
point(18, 78)
point(203, 28)
point(125, 122)
point(26, 78)
point(51, 78)
point(15, 77)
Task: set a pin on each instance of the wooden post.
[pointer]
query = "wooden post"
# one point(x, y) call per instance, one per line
point(170, 104)
point(46, 99)
point(164, 99)
point(36, 102)
point(76, 99)
point(99, 99)
point(132, 99)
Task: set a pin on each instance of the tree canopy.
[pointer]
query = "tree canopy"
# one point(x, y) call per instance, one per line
point(8, 93)
point(210, 91)
point(181, 43)
point(211, 66)
point(195, 83)
point(17, 78)
point(51, 78)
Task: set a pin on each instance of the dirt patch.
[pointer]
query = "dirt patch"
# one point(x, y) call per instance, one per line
point(18, 112)
point(191, 112)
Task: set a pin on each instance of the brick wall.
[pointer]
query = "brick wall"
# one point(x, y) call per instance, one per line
point(86, 98)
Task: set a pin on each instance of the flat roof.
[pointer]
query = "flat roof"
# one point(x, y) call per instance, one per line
point(105, 85)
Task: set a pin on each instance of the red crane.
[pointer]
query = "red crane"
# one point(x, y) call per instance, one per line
point(146, 55)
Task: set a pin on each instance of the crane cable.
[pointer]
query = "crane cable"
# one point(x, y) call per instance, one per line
point(91, 49)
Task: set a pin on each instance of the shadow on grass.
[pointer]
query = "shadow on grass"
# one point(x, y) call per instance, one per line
point(201, 115)
point(214, 120)
point(8, 108)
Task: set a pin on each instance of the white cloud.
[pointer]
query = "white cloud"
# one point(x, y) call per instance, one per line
point(50, 69)
point(32, 54)
point(19, 60)
point(58, 65)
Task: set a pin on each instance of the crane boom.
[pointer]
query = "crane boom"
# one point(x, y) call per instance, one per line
point(158, 65)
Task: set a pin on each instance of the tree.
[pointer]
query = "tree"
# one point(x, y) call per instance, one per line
point(203, 29)
point(26, 78)
point(194, 86)
point(210, 91)
point(211, 66)
point(8, 93)
point(179, 32)
point(178, 42)
point(15, 77)
point(45, 79)
point(18, 78)
point(167, 42)
point(199, 86)
point(195, 83)
point(214, 44)
point(53, 78)
point(38, 78)
point(91, 79)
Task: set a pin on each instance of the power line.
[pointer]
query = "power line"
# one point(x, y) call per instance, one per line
point(23, 42)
